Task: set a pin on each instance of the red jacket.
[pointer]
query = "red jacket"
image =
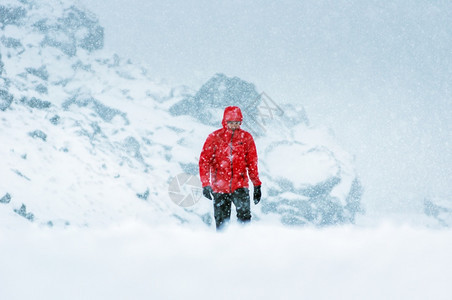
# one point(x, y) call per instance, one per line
point(228, 157)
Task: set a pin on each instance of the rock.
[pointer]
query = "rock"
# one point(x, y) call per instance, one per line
point(42, 89)
point(5, 99)
point(309, 186)
point(105, 112)
point(6, 199)
point(34, 102)
point(220, 91)
point(76, 28)
point(23, 212)
point(143, 196)
point(1, 64)
point(9, 42)
point(40, 72)
point(11, 15)
point(38, 134)
point(439, 209)
point(132, 148)
point(84, 27)
point(55, 119)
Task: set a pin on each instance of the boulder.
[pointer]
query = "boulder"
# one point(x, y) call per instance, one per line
point(5, 199)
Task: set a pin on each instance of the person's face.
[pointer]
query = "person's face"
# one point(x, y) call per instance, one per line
point(233, 125)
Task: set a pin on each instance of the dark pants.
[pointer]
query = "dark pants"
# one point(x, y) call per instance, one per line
point(222, 206)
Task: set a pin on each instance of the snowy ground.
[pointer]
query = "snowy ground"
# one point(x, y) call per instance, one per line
point(138, 261)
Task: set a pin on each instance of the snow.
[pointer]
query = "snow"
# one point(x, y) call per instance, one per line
point(301, 164)
point(137, 261)
point(377, 73)
point(88, 213)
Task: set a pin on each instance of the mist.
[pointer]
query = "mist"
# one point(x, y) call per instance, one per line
point(378, 74)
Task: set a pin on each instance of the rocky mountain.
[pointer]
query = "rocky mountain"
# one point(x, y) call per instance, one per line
point(89, 138)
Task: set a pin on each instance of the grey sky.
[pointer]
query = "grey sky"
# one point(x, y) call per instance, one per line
point(378, 73)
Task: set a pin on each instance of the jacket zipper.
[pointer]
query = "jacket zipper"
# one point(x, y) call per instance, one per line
point(232, 169)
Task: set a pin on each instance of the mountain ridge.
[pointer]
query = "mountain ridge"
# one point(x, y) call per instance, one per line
point(96, 139)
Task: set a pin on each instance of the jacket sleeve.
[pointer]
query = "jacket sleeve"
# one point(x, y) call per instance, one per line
point(205, 160)
point(252, 162)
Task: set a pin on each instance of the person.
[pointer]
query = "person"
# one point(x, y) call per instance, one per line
point(227, 158)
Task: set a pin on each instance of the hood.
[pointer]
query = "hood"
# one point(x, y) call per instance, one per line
point(231, 113)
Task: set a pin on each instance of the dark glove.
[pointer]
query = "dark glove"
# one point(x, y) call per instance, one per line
point(207, 192)
point(257, 194)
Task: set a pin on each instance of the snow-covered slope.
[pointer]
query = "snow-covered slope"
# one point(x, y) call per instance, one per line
point(86, 138)
point(89, 138)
